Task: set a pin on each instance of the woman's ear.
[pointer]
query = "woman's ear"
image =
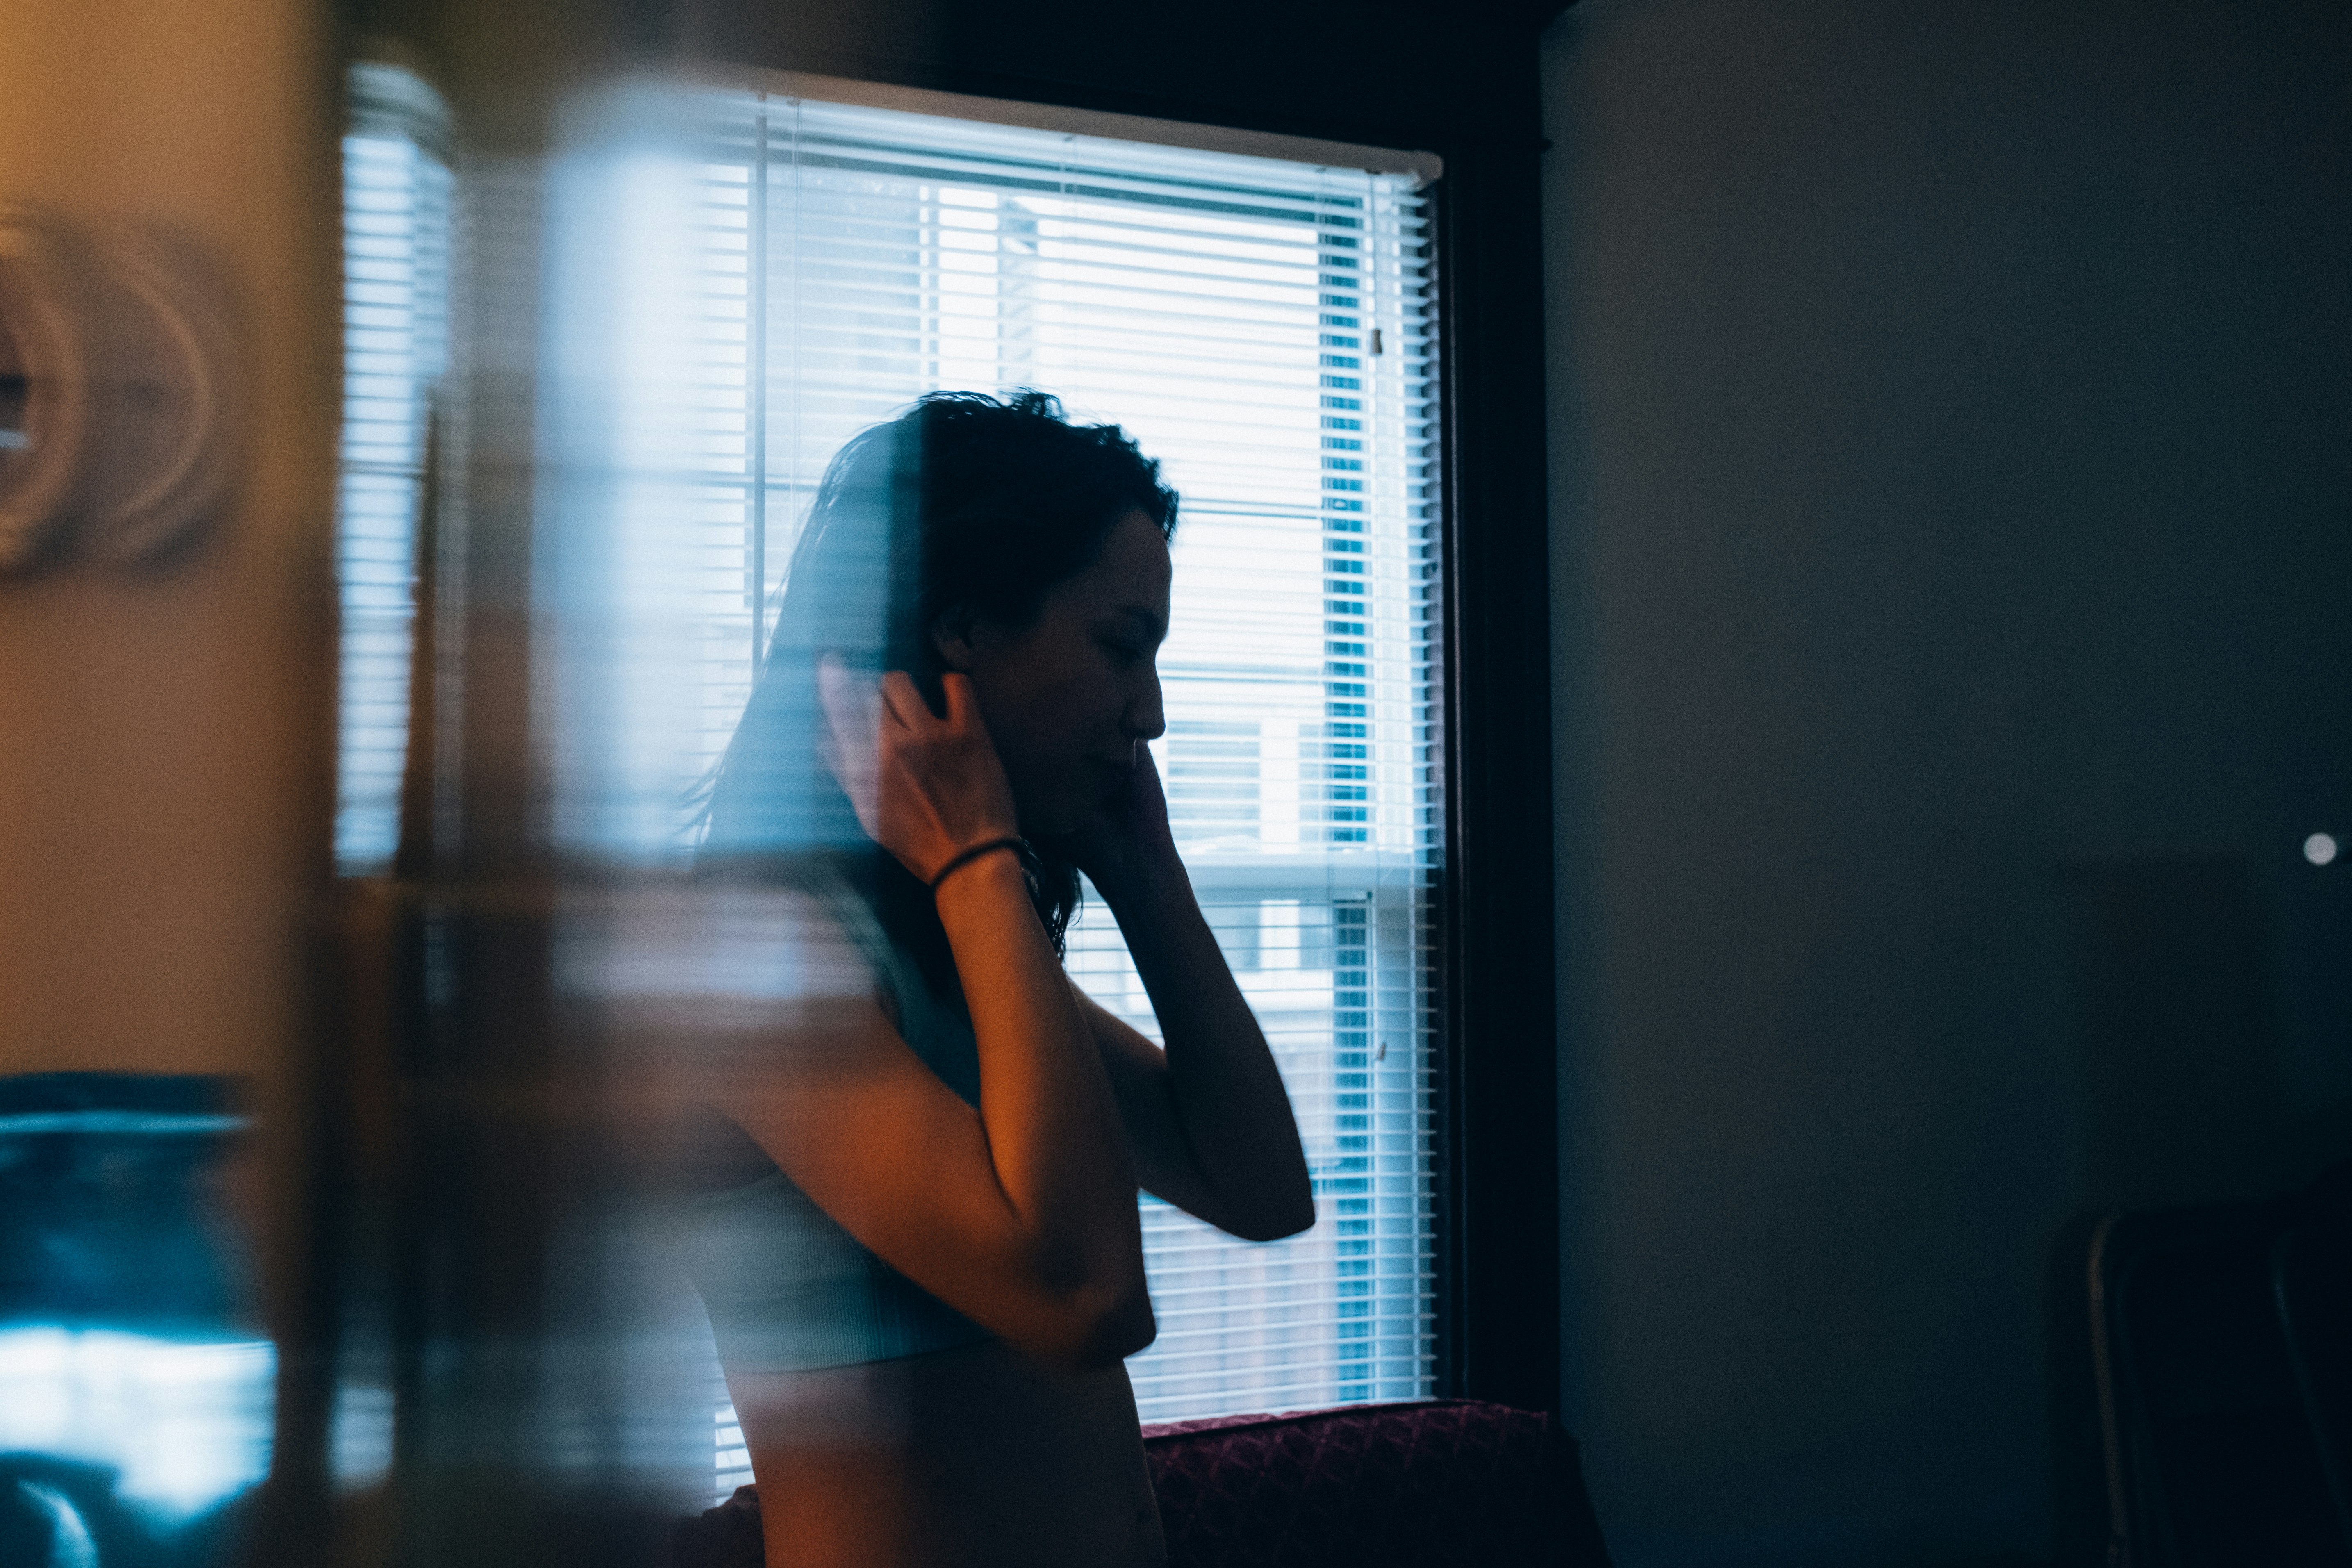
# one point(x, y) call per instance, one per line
point(951, 638)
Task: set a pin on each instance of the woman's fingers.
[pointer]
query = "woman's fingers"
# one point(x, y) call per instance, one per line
point(902, 702)
point(852, 718)
point(963, 708)
point(847, 702)
point(923, 787)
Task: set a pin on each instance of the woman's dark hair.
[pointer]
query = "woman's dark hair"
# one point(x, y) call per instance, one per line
point(963, 501)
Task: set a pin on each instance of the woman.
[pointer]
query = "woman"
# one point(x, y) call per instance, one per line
point(919, 1240)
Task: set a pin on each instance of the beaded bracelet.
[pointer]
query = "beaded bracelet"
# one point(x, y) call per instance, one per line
point(1019, 847)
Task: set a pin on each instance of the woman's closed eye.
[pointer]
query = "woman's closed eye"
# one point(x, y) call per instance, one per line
point(1123, 649)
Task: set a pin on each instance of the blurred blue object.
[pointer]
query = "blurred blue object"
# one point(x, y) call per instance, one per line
point(135, 1400)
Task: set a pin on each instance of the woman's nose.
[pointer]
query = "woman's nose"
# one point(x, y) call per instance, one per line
point(1146, 719)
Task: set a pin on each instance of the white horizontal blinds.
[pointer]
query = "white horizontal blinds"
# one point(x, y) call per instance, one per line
point(1382, 780)
point(1260, 326)
point(765, 303)
point(1223, 309)
point(651, 539)
point(643, 539)
point(733, 1464)
point(396, 198)
point(716, 405)
point(1300, 682)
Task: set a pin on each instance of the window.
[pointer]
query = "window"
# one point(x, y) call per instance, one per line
point(768, 274)
point(1261, 325)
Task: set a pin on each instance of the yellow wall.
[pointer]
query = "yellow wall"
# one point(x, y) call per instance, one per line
point(162, 745)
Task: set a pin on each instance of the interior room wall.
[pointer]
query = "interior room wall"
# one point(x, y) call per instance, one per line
point(1949, 438)
point(165, 752)
point(161, 727)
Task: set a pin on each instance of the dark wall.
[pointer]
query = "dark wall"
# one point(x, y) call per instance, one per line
point(1950, 440)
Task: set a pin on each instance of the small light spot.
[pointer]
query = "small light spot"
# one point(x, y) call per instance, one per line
point(2319, 849)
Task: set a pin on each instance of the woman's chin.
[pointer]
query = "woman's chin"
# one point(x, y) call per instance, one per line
point(1061, 821)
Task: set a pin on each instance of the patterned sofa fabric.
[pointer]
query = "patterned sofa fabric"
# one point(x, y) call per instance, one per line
point(1429, 1484)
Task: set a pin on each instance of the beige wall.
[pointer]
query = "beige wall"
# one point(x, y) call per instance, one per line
point(162, 749)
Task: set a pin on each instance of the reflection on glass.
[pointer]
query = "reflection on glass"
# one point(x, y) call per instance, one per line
point(15, 388)
point(135, 1401)
point(397, 200)
point(706, 294)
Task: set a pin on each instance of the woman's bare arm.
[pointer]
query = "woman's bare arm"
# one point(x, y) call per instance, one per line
point(1053, 1128)
point(1020, 1214)
point(1208, 1118)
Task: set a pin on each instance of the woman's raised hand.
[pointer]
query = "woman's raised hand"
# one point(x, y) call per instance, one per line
point(1128, 841)
point(925, 788)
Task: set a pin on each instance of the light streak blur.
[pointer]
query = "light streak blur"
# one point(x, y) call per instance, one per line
point(185, 1424)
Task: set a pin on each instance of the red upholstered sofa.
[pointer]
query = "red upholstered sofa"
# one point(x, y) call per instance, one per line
point(1431, 1483)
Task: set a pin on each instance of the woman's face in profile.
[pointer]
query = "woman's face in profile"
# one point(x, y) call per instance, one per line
point(1070, 695)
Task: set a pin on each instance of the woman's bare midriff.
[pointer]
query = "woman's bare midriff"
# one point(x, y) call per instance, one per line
point(968, 1457)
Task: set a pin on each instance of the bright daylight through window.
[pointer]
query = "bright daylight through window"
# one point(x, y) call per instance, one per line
point(395, 339)
point(1261, 325)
